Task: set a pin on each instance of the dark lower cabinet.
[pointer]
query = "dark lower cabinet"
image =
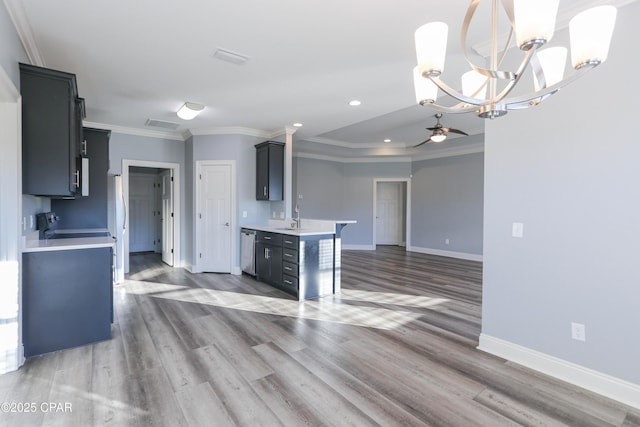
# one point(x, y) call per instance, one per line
point(67, 299)
point(302, 266)
point(269, 258)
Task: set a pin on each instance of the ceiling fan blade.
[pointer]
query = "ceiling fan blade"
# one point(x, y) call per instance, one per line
point(458, 131)
point(432, 128)
point(423, 142)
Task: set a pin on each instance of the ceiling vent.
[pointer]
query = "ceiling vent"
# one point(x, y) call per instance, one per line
point(232, 57)
point(161, 124)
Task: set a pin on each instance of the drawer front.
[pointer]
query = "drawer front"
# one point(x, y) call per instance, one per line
point(290, 242)
point(290, 282)
point(290, 255)
point(290, 269)
point(270, 238)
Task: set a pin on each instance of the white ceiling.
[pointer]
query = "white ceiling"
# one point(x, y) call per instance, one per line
point(141, 59)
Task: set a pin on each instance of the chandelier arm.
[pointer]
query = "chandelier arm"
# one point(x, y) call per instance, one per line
point(454, 93)
point(498, 74)
point(517, 75)
point(455, 109)
point(534, 98)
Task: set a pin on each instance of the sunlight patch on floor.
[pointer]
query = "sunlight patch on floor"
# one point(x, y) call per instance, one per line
point(407, 300)
point(323, 310)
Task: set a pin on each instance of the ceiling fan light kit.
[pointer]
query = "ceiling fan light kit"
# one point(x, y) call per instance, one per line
point(533, 23)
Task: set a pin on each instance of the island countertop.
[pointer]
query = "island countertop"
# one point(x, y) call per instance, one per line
point(310, 227)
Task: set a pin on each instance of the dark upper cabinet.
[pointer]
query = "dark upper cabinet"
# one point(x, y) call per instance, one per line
point(90, 211)
point(270, 171)
point(52, 116)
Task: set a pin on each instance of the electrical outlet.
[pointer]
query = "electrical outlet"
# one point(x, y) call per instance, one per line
point(446, 241)
point(282, 215)
point(24, 223)
point(300, 196)
point(31, 225)
point(578, 332)
point(273, 214)
point(244, 214)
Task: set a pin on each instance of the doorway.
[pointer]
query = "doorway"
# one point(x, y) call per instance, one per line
point(162, 199)
point(391, 211)
point(215, 236)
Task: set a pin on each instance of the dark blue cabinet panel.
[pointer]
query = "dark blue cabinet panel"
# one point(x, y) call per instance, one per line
point(67, 299)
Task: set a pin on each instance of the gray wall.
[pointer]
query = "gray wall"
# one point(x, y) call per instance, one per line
point(241, 149)
point(334, 190)
point(568, 170)
point(133, 147)
point(447, 203)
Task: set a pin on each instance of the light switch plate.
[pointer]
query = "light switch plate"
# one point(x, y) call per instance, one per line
point(517, 230)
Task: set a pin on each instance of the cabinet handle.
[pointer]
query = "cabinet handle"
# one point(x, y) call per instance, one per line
point(76, 179)
point(264, 190)
point(267, 238)
point(84, 147)
point(288, 268)
point(288, 241)
point(266, 253)
point(288, 282)
point(288, 255)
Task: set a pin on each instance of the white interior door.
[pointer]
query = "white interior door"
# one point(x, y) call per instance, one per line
point(141, 205)
point(214, 216)
point(389, 213)
point(166, 194)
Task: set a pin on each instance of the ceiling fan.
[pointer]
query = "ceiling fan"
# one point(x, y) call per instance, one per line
point(439, 132)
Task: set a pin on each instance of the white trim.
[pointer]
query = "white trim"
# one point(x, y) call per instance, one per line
point(176, 136)
point(18, 15)
point(187, 266)
point(235, 233)
point(450, 254)
point(356, 145)
point(606, 385)
point(236, 270)
point(358, 247)
point(329, 158)
point(177, 226)
point(407, 218)
point(238, 130)
point(450, 152)
point(11, 215)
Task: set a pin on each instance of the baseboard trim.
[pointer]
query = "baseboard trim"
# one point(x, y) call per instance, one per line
point(187, 266)
point(450, 254)
point(359, 247)
point(236, 270)
point(597, 382)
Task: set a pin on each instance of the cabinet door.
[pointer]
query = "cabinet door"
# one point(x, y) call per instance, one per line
point(262, 173)
point(269, 263)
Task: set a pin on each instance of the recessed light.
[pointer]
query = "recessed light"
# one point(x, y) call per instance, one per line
point(298, 125)
point(354, 103)
point(387, 140)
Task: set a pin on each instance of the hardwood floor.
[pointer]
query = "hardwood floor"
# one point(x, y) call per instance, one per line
point(397, 347)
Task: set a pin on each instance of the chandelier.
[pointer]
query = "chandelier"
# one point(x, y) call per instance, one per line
point(485, 91)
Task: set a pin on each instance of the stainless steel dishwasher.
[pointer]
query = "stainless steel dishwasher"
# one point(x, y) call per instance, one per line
point(248, 251)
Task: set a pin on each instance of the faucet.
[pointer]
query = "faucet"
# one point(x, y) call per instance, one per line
point(297, 218)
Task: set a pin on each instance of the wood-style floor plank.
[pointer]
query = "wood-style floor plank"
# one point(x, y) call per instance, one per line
point(396, 347)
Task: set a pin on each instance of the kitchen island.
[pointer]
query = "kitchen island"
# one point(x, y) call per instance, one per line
point(305, 261)
point(67, 292)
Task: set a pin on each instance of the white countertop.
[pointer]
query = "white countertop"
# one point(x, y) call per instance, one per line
point(310, 227)
point(33, 245)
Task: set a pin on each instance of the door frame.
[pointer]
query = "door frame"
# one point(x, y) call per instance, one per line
point(407, 219)
point(11, 216)
point(195, 267)
point(177, 259)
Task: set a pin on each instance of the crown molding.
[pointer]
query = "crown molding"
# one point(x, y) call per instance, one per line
point(354, 145)
point(135, 131)
point(450, 152)
point(239, 130)
point(18, 15)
